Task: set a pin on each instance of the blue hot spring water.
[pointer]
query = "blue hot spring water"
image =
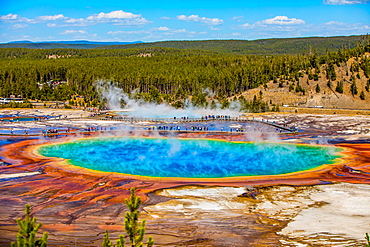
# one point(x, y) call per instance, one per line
point(192, 158)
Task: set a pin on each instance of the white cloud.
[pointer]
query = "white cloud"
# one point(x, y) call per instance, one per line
point(261, 29)
point(154, 34)
point(180, 31)
point(14, 18)
point(74, 32)
point(340, 26)
point(196, 18)
point(247, 26)
point(128, 32)
point(282, 20)
point(19, 26)
point(237, 17)
point(345, 2)
point(279, 26)
point(162, 29)
point(118, 14)
point(79, 22)
point(9, 17)
point(334, 23)
point(74, 20)
point(132, 22)
point(115, 32)
point(52, 17)
point(334, 28)
point(118, 17)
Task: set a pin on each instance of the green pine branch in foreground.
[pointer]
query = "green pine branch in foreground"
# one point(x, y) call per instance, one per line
point(134, 230)
point(28, 228)
point(368, 240)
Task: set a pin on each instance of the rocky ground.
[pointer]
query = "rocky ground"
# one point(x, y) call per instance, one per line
point(322, 215)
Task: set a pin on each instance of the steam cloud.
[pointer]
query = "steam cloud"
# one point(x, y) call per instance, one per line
point(139, 108)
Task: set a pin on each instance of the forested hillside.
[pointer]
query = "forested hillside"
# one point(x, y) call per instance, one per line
point(174, 75)
point(320, 45)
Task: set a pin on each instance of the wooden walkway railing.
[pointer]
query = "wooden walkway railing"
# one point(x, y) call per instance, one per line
point(172, 121)
point(193, 120)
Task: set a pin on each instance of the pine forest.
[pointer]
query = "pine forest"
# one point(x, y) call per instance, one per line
point(174, 75)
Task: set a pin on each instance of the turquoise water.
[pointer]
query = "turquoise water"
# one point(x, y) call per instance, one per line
point(193, 158)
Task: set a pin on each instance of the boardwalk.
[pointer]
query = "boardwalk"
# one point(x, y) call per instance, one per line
point(64, 125)
point(194, 120)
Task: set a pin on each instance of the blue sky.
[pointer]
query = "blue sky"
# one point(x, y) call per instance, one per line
point(159, 20)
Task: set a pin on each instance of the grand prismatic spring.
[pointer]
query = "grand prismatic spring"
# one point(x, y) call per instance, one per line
point(189, 158)
point(203, 183)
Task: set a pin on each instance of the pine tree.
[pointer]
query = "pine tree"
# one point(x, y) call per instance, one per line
point(362, 95)
point(354, 90)
point(225, 103)
point(339, 87)
point(27, 231)
point(329, 84)
point(121, 241)
point(213, 105)
point(135, 232)
point(367, 87)
point(107, 242)
point(318, 89)
point(299, 88)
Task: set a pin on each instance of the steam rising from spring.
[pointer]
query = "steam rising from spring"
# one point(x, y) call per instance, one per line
point(140, 108)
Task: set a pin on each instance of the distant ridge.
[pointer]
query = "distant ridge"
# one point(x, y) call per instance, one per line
point(278, 46)
point(258, 47)
point(76, 44)
point(20, 41)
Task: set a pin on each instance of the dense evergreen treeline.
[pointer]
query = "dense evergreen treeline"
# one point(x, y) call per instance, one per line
point(159, 74)
point(224, 75)
point(25, 53)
